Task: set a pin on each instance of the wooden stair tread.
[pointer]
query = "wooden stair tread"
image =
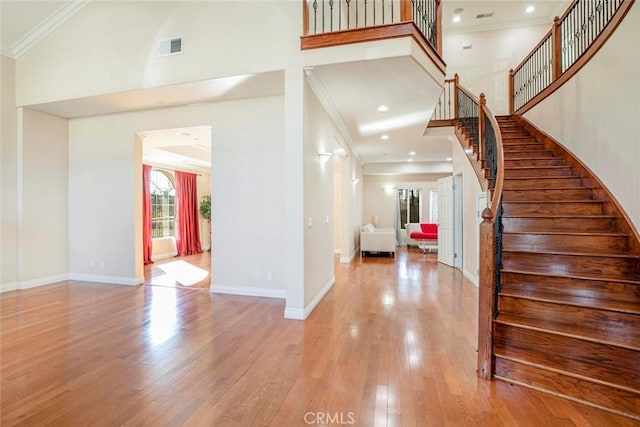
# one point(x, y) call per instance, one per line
point(554, 201)
point(573, 253)
point(563, 329)
point(577, 187)
point(532, 215)
point(562, 372)
point(628, 281)
point(579, 301)
point(571, 233)
point(541, 177)
point(539, 167)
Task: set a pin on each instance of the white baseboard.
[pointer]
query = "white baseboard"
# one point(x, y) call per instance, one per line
point(110, 280)
point(8, 286)
point(471, 277)
point(348, 259)
point(248, 291)
point(164, 255)
point(34, 283)
point(301, 314)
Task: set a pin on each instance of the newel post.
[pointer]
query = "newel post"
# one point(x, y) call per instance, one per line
point(305, 17)
point(455, 96)
point(486, 295)
point(405, 11)
point(511, 91)
point(556, 38)
point(481, 104)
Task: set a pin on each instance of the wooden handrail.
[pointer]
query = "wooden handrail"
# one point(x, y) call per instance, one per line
point(305, 17)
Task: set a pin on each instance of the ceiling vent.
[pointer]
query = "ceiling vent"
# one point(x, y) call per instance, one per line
point(172, 46)
point(484, 15)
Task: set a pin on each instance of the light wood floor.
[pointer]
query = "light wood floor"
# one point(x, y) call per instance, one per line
point(393, 343)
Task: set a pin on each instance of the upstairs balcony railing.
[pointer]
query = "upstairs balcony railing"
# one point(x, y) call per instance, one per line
point(322, 17)
point(570, 43)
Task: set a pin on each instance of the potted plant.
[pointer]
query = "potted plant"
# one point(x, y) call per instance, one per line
point(205, 211)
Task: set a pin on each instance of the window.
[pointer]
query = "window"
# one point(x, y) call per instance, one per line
point(410, 206)
point(163, 198)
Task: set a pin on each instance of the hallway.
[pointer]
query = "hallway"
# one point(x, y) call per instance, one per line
point(393, 343)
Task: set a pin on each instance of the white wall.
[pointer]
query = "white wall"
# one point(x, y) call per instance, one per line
point(319, 134)
point(123, 57)
point(247, 177)
point(485, 67)
point(596, 115)
point(44, 229)
point(470, 231)
point(8, 176)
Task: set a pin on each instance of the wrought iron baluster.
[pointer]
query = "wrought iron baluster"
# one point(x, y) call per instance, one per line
point(315, 16)
point(348, 13)
point(330, 15)
point(365, 13)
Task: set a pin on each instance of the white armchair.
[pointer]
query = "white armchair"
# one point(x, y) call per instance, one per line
point(377, 240)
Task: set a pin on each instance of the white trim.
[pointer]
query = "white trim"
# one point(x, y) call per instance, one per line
point(8, 286)
point(163, 255)
point(248, 291)
point(43, 281)
point(473, 278)
point(46, 27)
point(347, 260)
point(300, 314)
point(110, 280)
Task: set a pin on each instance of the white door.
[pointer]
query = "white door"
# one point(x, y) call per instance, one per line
point(445, 220)
point(457, 221)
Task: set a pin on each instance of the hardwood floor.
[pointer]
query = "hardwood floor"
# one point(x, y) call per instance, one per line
point(393, 343)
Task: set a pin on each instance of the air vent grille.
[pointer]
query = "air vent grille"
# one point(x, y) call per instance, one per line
point(484, 15)
point(172, 46)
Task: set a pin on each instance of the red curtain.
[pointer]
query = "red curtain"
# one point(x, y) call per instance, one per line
point(187, 230)
point(147, 231)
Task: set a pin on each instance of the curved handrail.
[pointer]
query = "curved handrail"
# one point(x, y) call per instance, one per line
point(496, 198)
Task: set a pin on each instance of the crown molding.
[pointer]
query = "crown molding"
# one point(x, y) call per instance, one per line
point(46, 27)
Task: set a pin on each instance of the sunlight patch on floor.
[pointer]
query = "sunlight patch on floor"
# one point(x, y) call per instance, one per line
point(183, 272)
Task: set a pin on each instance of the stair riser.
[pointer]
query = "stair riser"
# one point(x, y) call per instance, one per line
point(559, 182)
point(547, 194)
point(600, 267)
point(527, 154)
point(509, 134)
point(523, 146)
point(565, 243)
point(615, 365)
point(535, 172)
point(509, 163)
point(568, 208)
point(614, 326)
point(531, 284)
point(597, 394)
point(553, 224)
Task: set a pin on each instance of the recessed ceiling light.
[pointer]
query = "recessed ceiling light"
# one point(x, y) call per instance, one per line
point(409, 160)
point(530, 9)
point(412, 153)
point(384, 137)
point(456, 19)
point(383, 108)
point(449, 159)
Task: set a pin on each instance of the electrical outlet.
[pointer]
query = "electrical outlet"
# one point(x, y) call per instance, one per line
point(256, 275)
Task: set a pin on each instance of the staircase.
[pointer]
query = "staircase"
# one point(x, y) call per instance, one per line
point(568, 318)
